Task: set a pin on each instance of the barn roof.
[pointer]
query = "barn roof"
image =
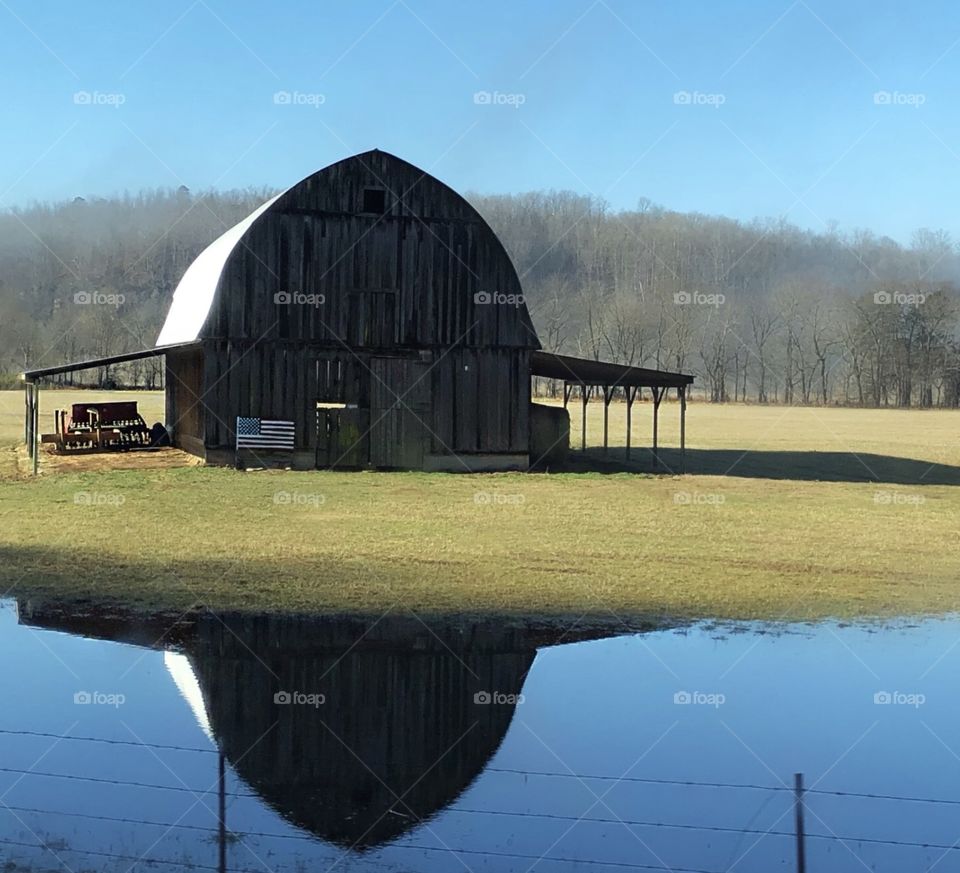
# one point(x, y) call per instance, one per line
point(195, 292)
point(194, 297)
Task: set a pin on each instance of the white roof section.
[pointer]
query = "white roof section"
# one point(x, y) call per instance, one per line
point(194, 295)
point(181, 671)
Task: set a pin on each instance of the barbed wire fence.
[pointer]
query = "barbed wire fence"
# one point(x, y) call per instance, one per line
point(797, 796)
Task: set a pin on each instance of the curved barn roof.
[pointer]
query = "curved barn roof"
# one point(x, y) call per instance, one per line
point(194, 297)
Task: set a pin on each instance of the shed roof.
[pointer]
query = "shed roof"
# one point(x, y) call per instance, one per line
point(584, 371)
point(91, 363)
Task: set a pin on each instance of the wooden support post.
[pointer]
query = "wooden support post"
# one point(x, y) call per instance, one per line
point(31, 422)
point(584, 397)
point(567, 390)
point(27, 388)
point(631, 394)
point(683, 428)
point(657, 397)
point(798, 808)
point(35, 428)
point(607, 397)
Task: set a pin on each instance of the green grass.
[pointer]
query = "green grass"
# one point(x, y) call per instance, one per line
point(736, 547)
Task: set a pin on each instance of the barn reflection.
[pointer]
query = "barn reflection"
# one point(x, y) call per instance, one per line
point(355, 730)
point(399, 734)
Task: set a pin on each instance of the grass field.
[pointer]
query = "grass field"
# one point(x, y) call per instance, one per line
point(768, 540)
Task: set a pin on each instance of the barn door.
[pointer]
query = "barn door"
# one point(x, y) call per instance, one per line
point(342, 438)
point(400, 413)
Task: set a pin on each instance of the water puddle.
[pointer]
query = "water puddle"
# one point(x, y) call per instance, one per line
point(269, 744)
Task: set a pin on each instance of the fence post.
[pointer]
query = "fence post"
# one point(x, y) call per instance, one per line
point(222, 815)
point(798, 809)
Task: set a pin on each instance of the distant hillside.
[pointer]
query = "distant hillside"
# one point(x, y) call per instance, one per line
point(761, 311)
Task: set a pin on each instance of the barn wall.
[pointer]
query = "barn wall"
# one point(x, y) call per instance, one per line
point(481, 401)
point(469, 401)
point(184, 389)
point(424, 292)
point(409, 278)
point(267, 380)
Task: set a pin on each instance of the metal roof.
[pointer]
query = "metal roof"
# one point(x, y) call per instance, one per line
point(194, 294)
point(89, 364)
point(584, 371)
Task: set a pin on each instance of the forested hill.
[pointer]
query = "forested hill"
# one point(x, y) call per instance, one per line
point(764, 310)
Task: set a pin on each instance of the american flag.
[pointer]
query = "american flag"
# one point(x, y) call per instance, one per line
point(259, 433)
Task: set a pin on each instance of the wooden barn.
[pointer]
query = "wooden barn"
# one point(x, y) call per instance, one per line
point(373, 312)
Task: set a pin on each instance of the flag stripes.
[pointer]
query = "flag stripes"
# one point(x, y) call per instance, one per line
point(257, 433)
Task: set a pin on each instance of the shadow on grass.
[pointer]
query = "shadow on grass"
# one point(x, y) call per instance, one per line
point(751, 464)
point(138, 596)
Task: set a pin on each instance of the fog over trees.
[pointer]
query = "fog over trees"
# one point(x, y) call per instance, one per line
point(761, 311)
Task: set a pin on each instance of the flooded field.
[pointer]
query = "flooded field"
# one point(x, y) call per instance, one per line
point(269, 744)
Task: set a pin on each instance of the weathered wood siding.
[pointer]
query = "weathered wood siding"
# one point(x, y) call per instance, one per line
point(470, 401)
point(407, 278)
point(486, 401)
point(400, 412)
point(184, 390)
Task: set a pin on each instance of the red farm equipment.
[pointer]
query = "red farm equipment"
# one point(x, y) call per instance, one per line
point(99, 427)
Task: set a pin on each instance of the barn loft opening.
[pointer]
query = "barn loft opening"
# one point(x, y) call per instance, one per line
point(374, 200)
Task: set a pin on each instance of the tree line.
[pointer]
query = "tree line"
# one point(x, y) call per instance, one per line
point(91, 278)
point(762, 311)
point(758, 311)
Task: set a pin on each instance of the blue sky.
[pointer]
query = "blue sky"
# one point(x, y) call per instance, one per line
point(742, 108)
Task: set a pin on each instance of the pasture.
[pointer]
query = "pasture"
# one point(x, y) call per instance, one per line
point(785, 513)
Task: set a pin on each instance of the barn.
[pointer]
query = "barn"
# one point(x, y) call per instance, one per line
point(373, 310)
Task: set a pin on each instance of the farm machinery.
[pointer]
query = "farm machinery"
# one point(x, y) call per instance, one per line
point(101, 427)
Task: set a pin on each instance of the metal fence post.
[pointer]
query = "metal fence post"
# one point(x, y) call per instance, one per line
point(798, 809)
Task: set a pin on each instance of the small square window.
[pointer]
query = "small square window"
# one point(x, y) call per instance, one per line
point(374, 200)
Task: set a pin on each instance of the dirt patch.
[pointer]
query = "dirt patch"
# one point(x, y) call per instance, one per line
point(97, 462)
